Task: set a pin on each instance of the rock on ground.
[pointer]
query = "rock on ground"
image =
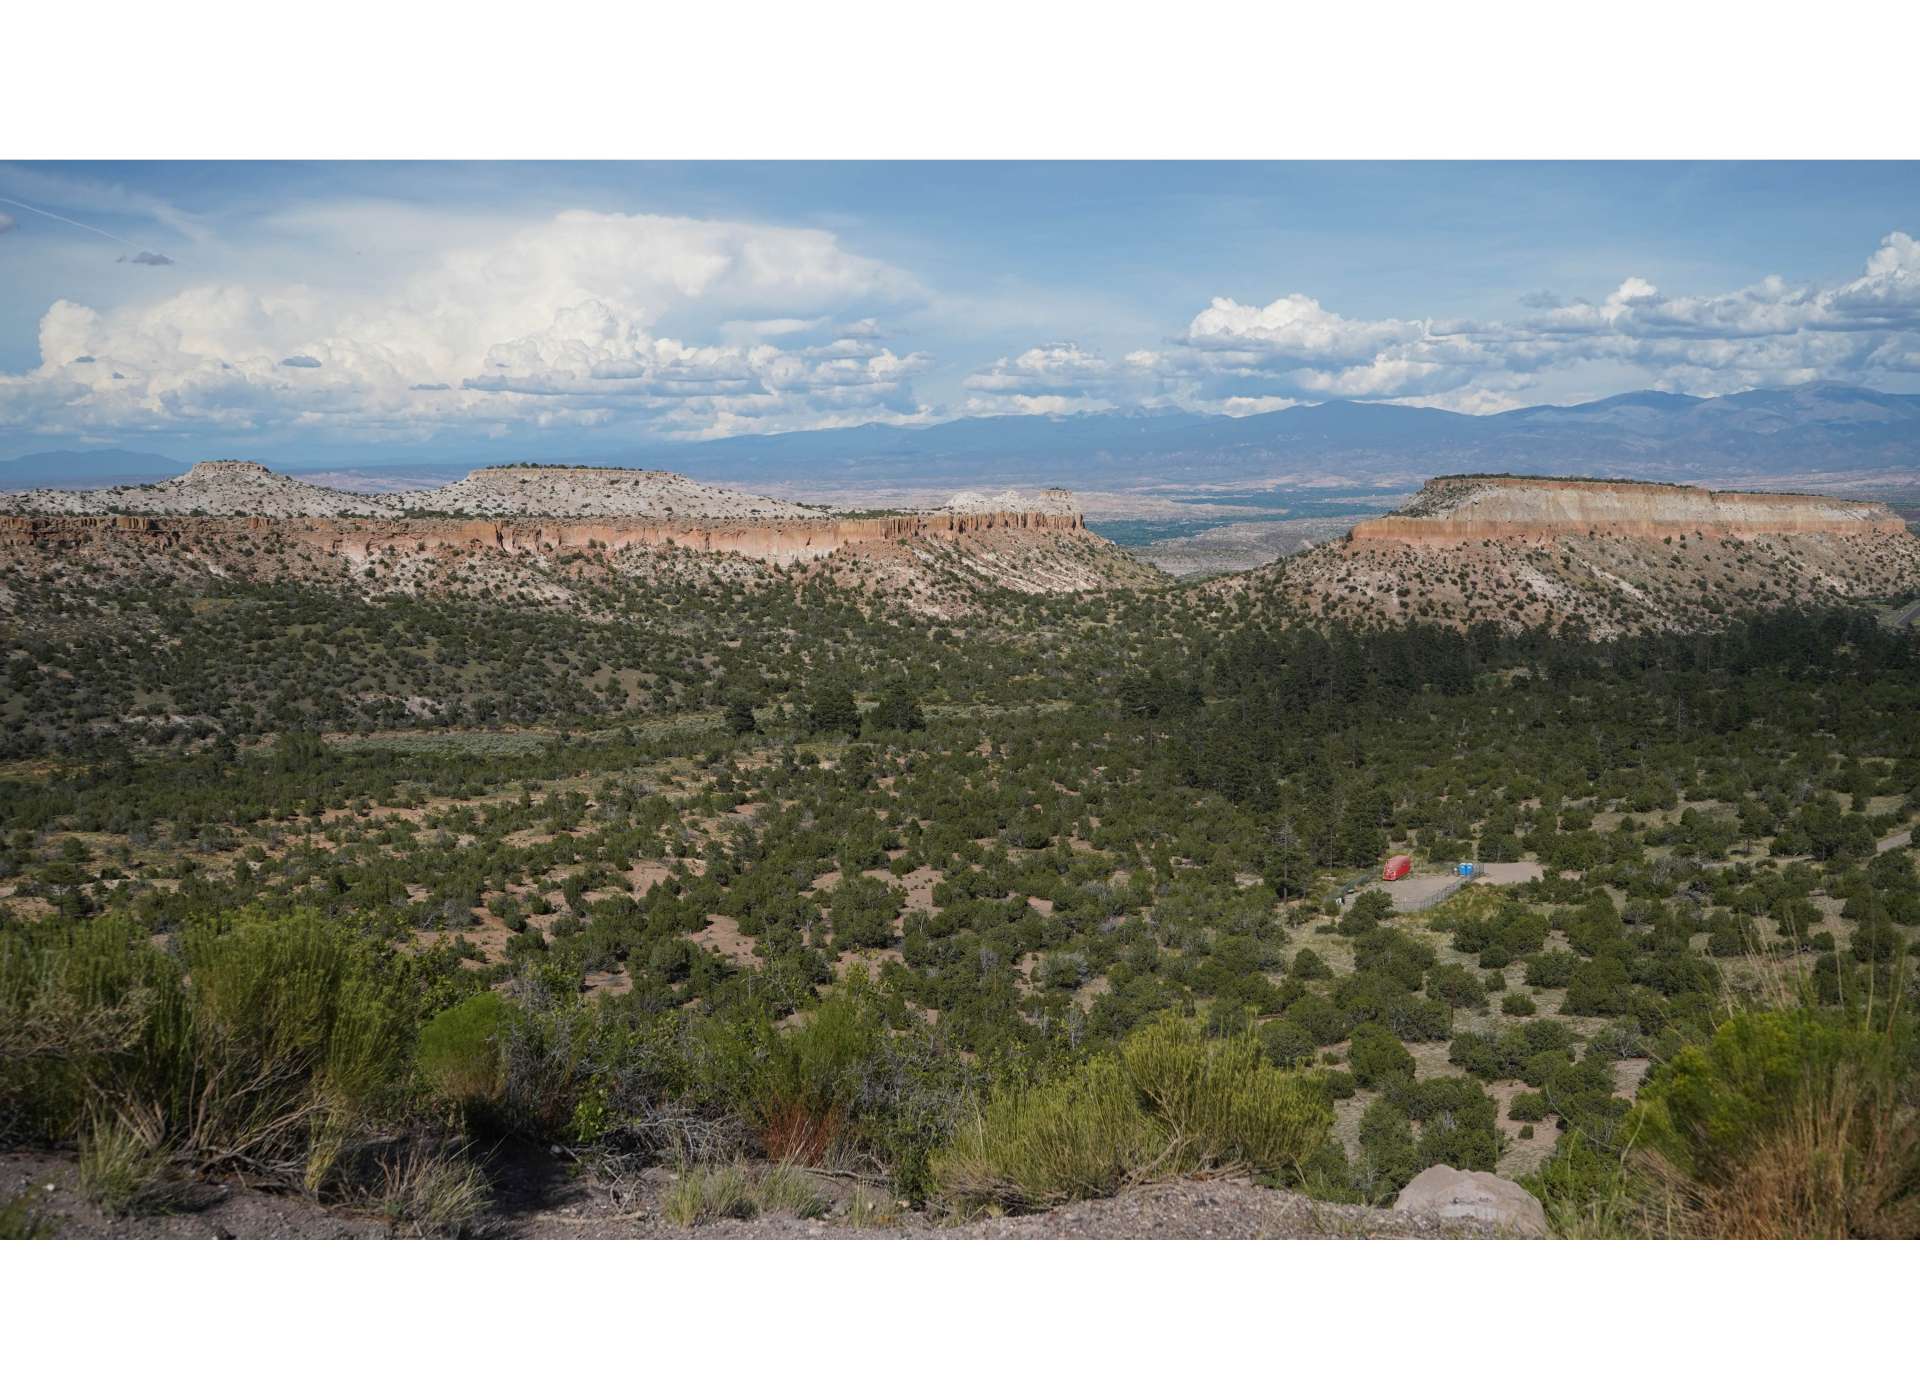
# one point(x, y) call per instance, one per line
point(1454, 1195)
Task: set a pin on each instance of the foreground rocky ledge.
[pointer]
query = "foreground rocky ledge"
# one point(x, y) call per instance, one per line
point(539, 1199)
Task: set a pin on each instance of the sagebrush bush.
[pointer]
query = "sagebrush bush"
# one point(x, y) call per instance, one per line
point(1030, 1147)
point(1170, 1102)
point(838, 1082)
point(1222, 1103)
point(256, 1039)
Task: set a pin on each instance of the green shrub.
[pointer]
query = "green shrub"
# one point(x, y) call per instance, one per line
point(1309, 966)
point(1552, 968)
point(1079, 1136)
point(1786, 1124)
point(1378, 1058)
point(1528, 1107)
point(1336, 1084)
point(1170, 1102)
point(1459, 1122)
point(1388, 1158)
point(461, 1054)
point(1223, 1104)
point(1287, 1043)
point(258, 1041)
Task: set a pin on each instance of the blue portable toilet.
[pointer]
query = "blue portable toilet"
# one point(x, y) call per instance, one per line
point(1466, 870)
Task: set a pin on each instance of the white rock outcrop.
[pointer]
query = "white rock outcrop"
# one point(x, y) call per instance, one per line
point(1456, 1195)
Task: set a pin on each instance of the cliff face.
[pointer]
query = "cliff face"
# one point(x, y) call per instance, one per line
point(1454, 510)
point(358, 540)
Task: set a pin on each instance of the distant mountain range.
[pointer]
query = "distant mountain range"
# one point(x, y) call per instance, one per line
point(105, 466)
point(1763, 432)
point(1814, 429)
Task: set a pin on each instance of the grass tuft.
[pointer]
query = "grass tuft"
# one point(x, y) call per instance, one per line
point(431, 1194)
point(711, 1193)
point(125, 1171)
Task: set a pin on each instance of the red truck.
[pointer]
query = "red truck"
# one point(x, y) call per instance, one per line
point(1396, 867)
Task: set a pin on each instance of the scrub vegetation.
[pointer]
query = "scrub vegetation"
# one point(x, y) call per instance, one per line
point(356, 897)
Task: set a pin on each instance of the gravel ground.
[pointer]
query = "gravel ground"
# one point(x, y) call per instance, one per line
point(51, 1185)
point(550, 1201)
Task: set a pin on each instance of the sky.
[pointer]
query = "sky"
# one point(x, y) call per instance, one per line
point(425, 312)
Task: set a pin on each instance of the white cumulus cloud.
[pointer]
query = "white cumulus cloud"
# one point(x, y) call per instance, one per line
point(1232, 356)
point(549, 321)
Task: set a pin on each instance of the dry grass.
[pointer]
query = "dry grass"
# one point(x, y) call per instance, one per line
point(785, 1189)
point(126, 1169)
point(1843, 1163)
point(794, 1132)
point(732, 1192)
point(711, 1193)
point(870, 1210)
point(431, 1194)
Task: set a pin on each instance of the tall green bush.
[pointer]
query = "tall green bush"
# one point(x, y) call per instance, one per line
point(1170, 1102)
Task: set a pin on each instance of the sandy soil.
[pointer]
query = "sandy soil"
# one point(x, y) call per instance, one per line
point(1509, 872)
point(722, 936)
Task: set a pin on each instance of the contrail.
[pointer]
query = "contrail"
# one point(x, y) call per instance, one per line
point(49, 214)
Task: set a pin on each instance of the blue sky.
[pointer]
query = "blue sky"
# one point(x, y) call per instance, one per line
point(423, 312)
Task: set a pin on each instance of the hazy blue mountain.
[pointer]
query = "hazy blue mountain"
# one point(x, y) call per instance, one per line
point(1765, 431)
point(102, 466)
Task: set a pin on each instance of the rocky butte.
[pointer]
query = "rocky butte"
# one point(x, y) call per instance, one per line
point(1606, 556)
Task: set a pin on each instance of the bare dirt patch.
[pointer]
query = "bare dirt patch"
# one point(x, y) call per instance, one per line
point(723, 938)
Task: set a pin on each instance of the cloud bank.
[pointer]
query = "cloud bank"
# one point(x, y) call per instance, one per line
point(364, 323)
point(1232, 356)
point(492, 326)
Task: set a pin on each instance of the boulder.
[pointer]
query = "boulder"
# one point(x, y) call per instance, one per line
point(1458, 1195)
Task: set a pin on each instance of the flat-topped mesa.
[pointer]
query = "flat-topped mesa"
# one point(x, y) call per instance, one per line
point(225, 467)
point(778, 541)
point(536, 471)
point(572, 491)
point(1456, 509)
point(515, 509)
point(1054, 500)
